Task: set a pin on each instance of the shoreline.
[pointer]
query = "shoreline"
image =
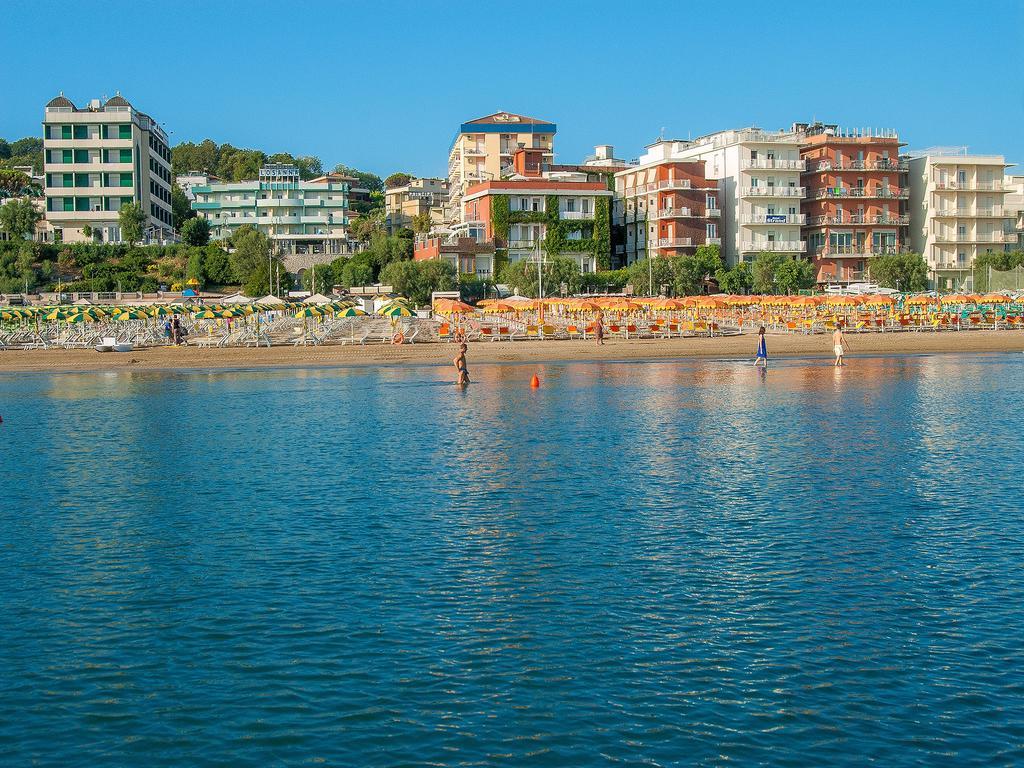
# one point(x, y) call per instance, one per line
point(615, 350)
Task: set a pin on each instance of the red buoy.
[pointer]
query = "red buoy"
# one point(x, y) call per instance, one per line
point(534, 382)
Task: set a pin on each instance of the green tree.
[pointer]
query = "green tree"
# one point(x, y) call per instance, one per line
point(642, 270)
point(793, 275)
point(13, 183)
point(131, 219)
point(521, 276)
point(985, 264)
point(397, 180)
point(195, 232)
point(421, 223)
point(196, 266)
point(364, 228)
point(251, 253)
point(364, 179)
point(738, 280)
point(318, 279)
point(906, 272)
point(18, 218)
point(217, 266)
point(357, 271)
point(264, 278)
point(181, 207)
point(765, 269)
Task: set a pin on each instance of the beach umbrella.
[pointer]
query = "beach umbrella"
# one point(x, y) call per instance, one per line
point(451, 307)
point(395, 310)
point(131, 314)
point(995, 298)
point(57, 313)
point(310, 311)
point(350, 312)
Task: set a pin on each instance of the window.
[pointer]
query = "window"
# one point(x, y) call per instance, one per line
point(126, 156)
point(570, 204)
point(81, 179)
point(69, 203)
point(81, 203)
point(68, 179)
point(65, 131)
point(961, 177)
point(81, 132)
point(711, 201)
point(712, 229)
point(585, 206)
point(124, 131)
point(81, 155)
point(66, 156)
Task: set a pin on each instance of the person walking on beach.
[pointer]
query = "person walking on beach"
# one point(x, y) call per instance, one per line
point(838, 343)
point(762, 348)
point(175, 330)
point(462, 371)
point(599, 328)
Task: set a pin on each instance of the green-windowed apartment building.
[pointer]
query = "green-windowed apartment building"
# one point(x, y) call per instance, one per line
point(300, 217)
point(97, 158)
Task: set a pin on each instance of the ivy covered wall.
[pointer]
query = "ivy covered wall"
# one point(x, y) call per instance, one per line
point(596, 232)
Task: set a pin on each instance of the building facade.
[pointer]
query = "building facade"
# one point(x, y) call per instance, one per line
point(99, 157)
point(483, 147)
point(957, 211)
point(302, 218)
point(1014, 204)
point(418, 197)
point(856, 202)
point(665, 207)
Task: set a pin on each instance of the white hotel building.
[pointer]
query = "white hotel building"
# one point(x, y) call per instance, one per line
point(957, 211)
point(759, 192)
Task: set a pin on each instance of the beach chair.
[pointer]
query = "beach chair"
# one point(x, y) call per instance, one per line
point(631, 330)
point(547, 332)
point(572, 331)
point(673, 330)
point(486, 333)
point(532, 332)
point(444, 332)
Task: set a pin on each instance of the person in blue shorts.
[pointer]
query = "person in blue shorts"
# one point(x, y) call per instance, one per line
point(762, 348)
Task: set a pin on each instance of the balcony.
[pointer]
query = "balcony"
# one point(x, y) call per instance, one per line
point(575, 215)
point(839, 193)
point(772, 191)
point(773, 218)
point(523, 245)
point(473, 152)
point(713, 240)
point(713, 213)
point(673, 242)
point(771, 164)
point(981, 238)
point(966, 213)
point(890, 166)
point(970, 186)
point(862, 251)
point(676, 213)
point(775, 246)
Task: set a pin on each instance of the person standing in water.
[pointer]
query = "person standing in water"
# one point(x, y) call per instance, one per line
point(838, 343)
point(462, 372)
point(762, 348)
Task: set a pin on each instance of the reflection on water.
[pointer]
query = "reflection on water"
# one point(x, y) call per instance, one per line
point(658, 563)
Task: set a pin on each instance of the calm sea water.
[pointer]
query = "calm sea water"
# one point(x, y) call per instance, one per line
point(638, 564)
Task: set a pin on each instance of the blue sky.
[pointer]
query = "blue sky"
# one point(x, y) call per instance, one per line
point(383, 85)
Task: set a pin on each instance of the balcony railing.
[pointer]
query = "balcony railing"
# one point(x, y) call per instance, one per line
point(996, 212)
point(474, 152)
point(771, 191)
point(788, 246)
point(676, 213)
point(774, 218)
point(858, 251)
point(988, 237)
point(970, 186)
point(853, 218)
point(522, 244)
point(713, 240)
point(900, 193)
point(858, 165)
point(772, 164)
point(673, 242)
point(654, 186)
point(713, 213)
point(575, 215)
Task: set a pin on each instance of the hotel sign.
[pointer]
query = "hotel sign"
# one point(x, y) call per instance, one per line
point(505, 117)
point(775, 218)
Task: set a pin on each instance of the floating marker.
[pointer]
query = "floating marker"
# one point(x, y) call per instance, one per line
point(534, 382)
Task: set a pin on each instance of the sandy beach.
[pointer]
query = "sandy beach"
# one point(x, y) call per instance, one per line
point(56, 360)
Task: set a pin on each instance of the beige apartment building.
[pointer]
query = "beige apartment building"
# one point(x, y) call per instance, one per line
point(485, 146)
point(957, 210)
point(99, 157)
point(419, 196)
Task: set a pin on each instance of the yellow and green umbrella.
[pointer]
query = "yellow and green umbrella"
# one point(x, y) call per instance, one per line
point(309, 312)
point(350, 312)
point(131, 314)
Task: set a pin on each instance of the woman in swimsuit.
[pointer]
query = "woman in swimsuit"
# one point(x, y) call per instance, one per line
point(762, 348)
